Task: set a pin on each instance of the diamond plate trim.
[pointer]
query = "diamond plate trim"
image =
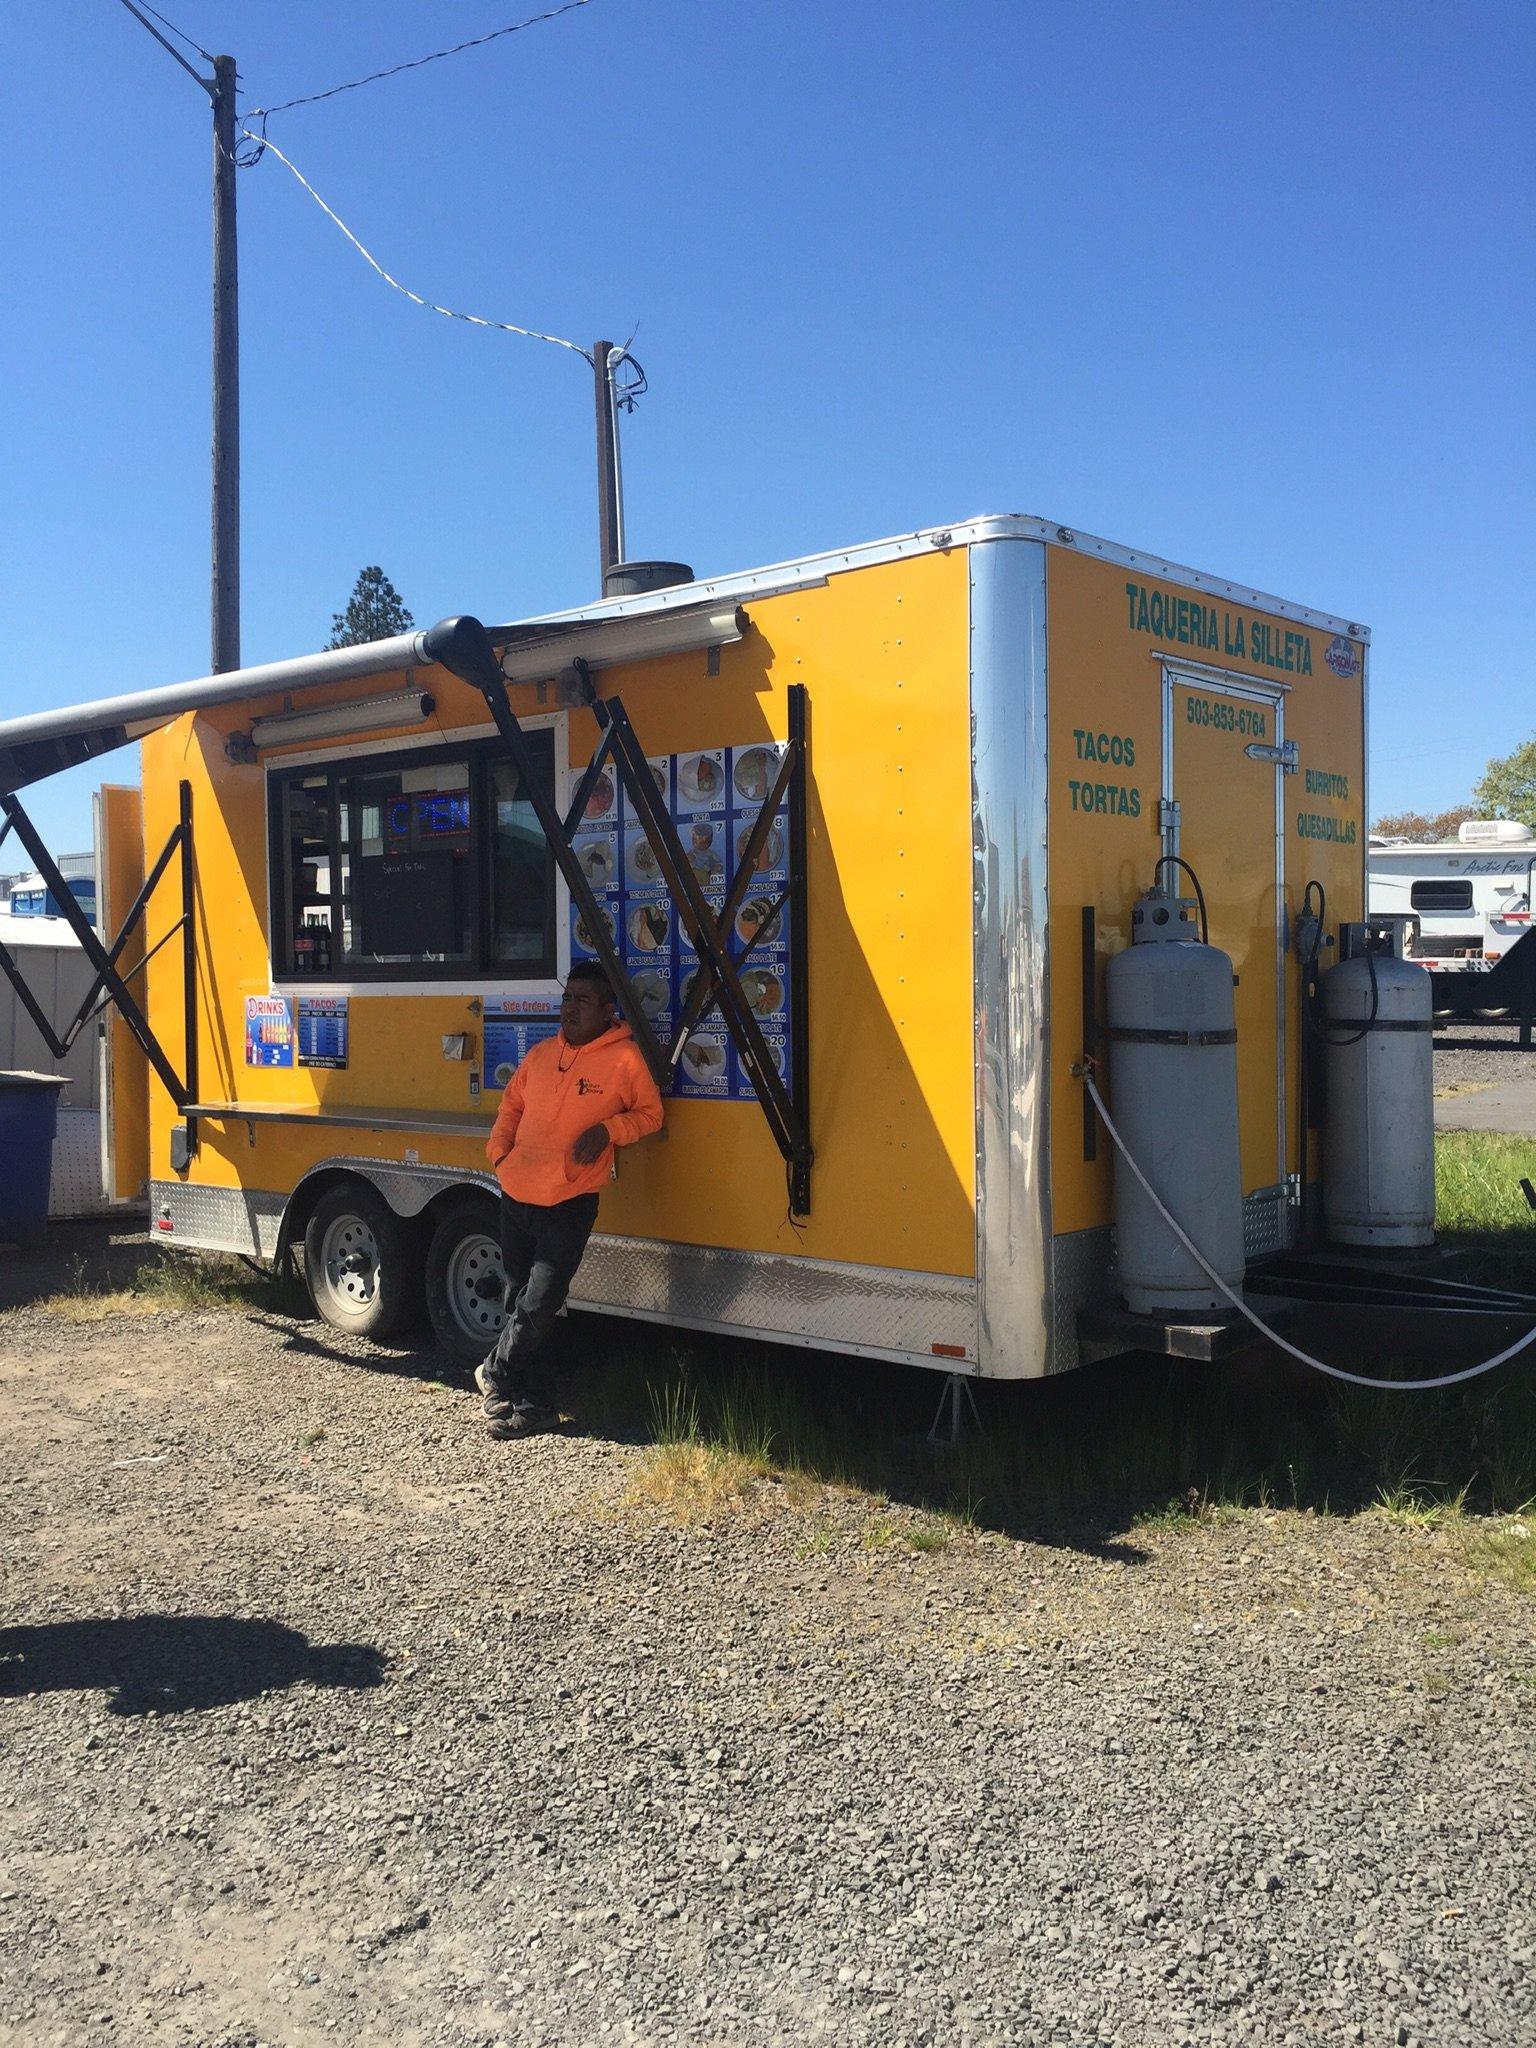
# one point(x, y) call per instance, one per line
point(870, 1311)
point(1266, 1222)
point(1084, 1274)
point(74, 1186)
point(866, 1310)
point(217, 1219)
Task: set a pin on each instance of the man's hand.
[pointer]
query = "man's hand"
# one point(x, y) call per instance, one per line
point(591, 1145)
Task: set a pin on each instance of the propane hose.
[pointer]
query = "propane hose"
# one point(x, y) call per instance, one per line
point(1337, 1372)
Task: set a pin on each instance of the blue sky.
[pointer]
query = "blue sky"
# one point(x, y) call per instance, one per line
point(1247, 285)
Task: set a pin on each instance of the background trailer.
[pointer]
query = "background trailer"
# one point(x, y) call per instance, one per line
point(996, 730)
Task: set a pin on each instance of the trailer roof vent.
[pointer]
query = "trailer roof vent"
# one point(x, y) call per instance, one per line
point(634, 579)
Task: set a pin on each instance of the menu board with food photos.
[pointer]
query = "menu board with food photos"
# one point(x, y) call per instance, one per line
point(714, 797)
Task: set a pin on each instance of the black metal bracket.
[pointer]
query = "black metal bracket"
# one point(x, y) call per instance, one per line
point(109, 980)
point(463, 646)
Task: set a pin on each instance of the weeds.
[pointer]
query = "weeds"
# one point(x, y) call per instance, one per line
point(1420, 1506)
point(163, 1286)
point(1508, 1550)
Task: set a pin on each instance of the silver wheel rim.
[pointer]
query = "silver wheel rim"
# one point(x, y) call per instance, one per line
point(349, 1264)
point(473, 1284)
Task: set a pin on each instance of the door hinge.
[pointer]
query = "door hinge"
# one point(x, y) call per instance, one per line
point(1167, 814)
point(1287, 754)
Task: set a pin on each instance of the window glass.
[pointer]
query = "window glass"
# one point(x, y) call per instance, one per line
point(412, 868)
point(415, 864)
point(307, 819)
point(1446, 894)
point(522, 874)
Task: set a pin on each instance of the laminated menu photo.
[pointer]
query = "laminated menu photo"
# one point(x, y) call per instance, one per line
point(642, 870)
point(772, 862)
point(597, 849)
point(753, 772)
point(705, 1067)
point(701, 783)
point(647, 929)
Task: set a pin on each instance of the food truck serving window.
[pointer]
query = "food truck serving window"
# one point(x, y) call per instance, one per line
point(426, 865)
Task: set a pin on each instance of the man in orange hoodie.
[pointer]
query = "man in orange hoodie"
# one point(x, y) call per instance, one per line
point(573, 1099)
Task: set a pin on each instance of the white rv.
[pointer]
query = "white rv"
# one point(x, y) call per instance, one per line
point(1467, 901)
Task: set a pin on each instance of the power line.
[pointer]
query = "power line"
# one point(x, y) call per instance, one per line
point(414, 64)
point(179, 33)
point(206, 84)
point(448, 313)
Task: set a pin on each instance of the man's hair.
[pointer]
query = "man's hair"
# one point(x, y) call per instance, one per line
point(590, 971)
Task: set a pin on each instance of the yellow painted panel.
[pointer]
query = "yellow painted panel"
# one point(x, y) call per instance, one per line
point(883, 652)
point(122, 850)
point(1110, 632)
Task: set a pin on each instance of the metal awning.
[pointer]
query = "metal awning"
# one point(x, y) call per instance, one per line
point(43, 742)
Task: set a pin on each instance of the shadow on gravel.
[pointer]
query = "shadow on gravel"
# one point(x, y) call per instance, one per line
point(70, 1257)
point(412, 1358)
point(176, 1663)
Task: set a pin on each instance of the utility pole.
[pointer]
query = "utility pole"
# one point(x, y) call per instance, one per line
point(225, 578)
point(224, 633)
point(610, 498)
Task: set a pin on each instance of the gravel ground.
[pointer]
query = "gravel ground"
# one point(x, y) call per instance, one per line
point(322, 1717)
point(1479, 1055)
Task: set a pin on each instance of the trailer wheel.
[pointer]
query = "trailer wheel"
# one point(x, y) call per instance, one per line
point(357, 1261)
point(464, 1279)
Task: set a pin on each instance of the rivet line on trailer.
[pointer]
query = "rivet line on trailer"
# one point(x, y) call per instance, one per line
point(1337, 1372)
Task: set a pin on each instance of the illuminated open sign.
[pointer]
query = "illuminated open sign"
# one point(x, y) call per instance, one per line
point(426, 817)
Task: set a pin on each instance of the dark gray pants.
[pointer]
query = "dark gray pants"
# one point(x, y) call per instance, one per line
point(540, 1251)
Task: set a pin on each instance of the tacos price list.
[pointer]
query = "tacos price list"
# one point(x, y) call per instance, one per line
point(714, 797)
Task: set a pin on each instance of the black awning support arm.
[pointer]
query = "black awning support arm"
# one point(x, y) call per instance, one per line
point(462, 646)
point(104, 959)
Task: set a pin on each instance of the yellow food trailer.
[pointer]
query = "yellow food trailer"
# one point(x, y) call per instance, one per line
point(951, 761)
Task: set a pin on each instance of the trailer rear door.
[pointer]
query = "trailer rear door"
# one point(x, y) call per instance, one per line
point(1222, 813)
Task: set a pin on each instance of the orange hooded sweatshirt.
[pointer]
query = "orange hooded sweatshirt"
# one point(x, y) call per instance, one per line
point(558, 1092)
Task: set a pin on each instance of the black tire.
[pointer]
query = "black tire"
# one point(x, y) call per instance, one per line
point(359, 1262)
point(464, 1278)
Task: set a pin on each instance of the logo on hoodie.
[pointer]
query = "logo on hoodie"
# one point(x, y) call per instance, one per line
point(586, 1087)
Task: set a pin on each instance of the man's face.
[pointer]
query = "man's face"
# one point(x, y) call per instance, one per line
point(586, 1011)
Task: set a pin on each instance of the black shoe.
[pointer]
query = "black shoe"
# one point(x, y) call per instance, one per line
point(496, 1404)
point(520, 1422)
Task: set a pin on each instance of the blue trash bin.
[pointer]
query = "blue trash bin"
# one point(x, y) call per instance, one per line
point(29, 1114)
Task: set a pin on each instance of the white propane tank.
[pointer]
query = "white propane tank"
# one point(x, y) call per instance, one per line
point(1173, 1070)
point(1379, 1127)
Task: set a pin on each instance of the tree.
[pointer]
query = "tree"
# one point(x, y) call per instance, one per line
point(1508, 785)
point(374, 612)
point(1425, 825)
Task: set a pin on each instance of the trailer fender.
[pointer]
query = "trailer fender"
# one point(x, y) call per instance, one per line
point(408, 1190)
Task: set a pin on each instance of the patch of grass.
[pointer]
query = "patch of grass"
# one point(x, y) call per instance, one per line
point(166, 1285)
point(879, 1536)
point(695, 1482)
point(1135, 1443)
point(927, 1539)
point(1477, 1190)
point(1436, 1639)
point(1436, 1684)
point(1420, 1506)
point(1508, 1550)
